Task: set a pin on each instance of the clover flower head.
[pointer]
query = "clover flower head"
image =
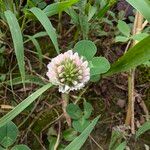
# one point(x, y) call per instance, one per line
point(69, 71)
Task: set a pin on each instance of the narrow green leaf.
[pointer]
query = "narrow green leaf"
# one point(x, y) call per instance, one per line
point(145, 127)
point(135, 56)
point(91, 12)
point(124, 28)
point(23, 105)
point(8, 134)
point(44, 20)
point(104, 10)
point(116, 138)
point(143, 6)
point(28, 79)
point(17, 41)
point(77, 143)
point(58, 7)
point(39, 34)
point(38, 48)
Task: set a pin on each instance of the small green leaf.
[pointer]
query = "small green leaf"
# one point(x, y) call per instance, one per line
point(139, 36)
point(145, 127)
point(77, 143)
point(86, 48)
point(121, 39)
point(87, 109)
point(8, 134)
point(124, 28)
point(69, 134)
point(99, 65)
point(74, 111)
point(21, 147)
point(95, 78)
point(81, 124)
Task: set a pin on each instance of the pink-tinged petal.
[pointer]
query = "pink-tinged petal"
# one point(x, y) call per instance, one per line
point(58, 74)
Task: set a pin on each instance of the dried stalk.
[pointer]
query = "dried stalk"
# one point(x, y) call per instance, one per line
point(137, 28)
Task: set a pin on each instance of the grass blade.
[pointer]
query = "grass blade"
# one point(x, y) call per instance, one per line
point(77, 143)
point(58, 7)
point(145, 127)
point(38, 48)
point(17, 41)
point(142, 6)
point(24, 104)
point(135, 56)
point(28, 79)
point(44, 20)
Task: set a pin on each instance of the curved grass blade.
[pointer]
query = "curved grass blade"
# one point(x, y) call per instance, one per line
point(44, 20)
point(28, 79)
point(142, 6)
point(17, 41)
point(58, 7)
point(24, 104)
point(145, 127)
point(38, 48)
point(135, 56)
point(37, 35)
point(77, 143)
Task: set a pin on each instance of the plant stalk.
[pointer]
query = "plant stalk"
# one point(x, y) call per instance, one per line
point(137, 28)
point(65, 99)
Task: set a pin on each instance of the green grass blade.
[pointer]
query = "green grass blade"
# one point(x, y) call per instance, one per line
point(44, 20)
point(143, 6)
point(28, 79)
point(135, 56)
point(145, 127)
point(77, 143)
point(24, 104)
point(17, 41)
point(38, 48)
point(37, 35)
point(58, 7)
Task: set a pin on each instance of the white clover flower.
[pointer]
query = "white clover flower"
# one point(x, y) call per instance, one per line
point(68, 71)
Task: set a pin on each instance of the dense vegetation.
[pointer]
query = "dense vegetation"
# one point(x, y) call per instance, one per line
point(75, 74)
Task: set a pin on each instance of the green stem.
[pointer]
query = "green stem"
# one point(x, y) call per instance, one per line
point(65, 99)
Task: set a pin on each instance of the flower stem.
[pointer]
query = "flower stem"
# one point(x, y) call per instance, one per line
point(65, 99)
